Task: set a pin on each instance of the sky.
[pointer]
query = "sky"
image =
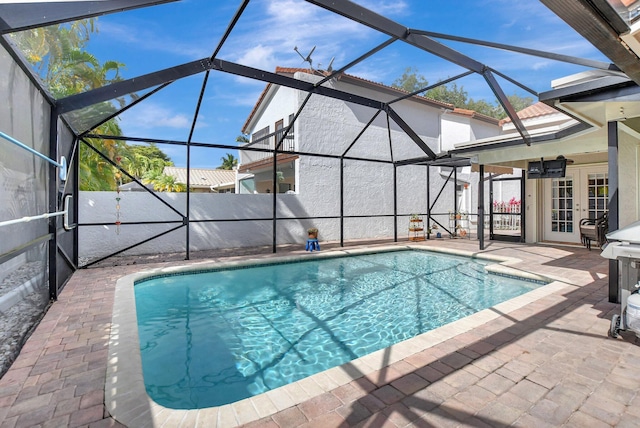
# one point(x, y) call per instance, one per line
point(163, 36)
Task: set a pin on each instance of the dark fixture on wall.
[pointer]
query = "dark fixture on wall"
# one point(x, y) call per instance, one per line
point(555, 168)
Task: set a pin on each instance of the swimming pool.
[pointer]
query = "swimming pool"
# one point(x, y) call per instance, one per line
point(212, 338)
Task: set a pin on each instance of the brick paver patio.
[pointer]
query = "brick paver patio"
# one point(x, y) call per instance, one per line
point(548, 363)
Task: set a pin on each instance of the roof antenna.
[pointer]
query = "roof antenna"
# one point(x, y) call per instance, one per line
point(307, 58)
point(330, 67)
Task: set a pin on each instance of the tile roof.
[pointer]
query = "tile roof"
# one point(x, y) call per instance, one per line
point(538, 109)
point(202, 177)
point(475, 114)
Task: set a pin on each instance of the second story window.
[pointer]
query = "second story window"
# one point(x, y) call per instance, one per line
point(260, 134)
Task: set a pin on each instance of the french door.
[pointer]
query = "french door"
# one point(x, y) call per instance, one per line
point(582, 193)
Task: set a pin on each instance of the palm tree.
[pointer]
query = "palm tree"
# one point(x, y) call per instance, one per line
point(56, 52)
point(229, 162)
point(82, 71)
point(168, 184)
point(162, 182)
point(96, 173)
point(47, 48)
point(242, 138)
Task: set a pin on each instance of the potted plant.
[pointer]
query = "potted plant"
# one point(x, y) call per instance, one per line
point(312, 232)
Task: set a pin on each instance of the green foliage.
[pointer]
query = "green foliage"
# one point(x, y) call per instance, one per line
point(48, 48)
point(411, 81)
point(242, 138)
point(482, 107)
point(449, 94)
point(96, 173)
point(228, 162)
point(58, 56)
point(152, 152)
point(162, 182)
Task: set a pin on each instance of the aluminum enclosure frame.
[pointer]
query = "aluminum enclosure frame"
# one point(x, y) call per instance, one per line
point(18, 17)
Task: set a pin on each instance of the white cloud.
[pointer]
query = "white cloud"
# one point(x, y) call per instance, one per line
point(148, 115)
point(387, 8)
point(541, 65)
point(278, 26)
point(260, 57)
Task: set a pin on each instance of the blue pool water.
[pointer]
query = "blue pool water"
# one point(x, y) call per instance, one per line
point(214, 338)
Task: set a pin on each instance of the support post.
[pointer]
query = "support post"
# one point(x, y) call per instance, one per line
point(76, 205)
point(612, 137)
point(491, 206)
point(428, 201)
point(342, 202)
point(53, 205)
point(274, 203)
point(186, 219)
point(523, 210)
point(395, 203)
point(395, 183)
point(455, 201)
point(481, 207)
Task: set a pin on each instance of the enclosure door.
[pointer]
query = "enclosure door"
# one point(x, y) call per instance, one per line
point(582, 193)
point(506, 218)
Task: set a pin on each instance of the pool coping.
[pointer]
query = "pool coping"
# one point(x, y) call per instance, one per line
point(126, 398)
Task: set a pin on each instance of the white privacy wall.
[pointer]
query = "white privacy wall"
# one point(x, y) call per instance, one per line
point(320, 198)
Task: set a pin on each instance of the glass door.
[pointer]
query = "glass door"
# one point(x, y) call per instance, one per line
point(597, 195)
point(582, 193)
point(506, 216)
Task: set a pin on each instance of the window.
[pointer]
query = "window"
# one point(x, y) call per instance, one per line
point(291, 116)
point(259, 134)
point(597, 194)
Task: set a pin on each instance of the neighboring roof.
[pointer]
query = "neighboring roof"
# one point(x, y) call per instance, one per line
point(134, 187)
point(475, 115)
point(536, 110)
point(347, 78)
point(201, 177)
point(396, 91)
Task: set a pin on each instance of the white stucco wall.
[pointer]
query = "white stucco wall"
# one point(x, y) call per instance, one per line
point(532, 206)
point(286, 100)
point(458, 128)
point(455, 129)
point(481, 129)
point(100, 207)
point(321, 199)
point(629, 180)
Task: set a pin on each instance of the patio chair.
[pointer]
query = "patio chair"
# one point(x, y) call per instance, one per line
point(594, 230)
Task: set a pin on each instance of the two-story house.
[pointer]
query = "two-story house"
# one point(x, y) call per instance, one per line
point(364, 137)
